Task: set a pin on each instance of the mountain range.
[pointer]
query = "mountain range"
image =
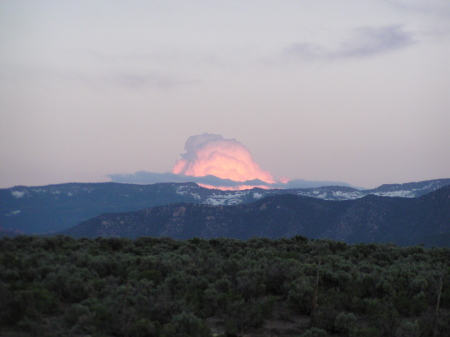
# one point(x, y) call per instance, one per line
point(403, 221)
point(143, 177)
point(55, 208)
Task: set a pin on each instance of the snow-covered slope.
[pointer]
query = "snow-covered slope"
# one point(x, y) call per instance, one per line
point(408, 190)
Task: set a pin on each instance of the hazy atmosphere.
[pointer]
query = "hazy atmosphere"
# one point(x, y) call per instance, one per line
point(351, 91)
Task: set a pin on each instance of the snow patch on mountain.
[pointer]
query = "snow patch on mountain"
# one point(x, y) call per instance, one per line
point(347, 195)
point(227, 198)
point(401, 194)
point(17, 194)
point(15, 212)
point(186, 190)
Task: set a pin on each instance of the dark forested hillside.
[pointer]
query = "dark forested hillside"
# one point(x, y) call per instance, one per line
point(61, 286)
point(404, 221)
point(53, 208)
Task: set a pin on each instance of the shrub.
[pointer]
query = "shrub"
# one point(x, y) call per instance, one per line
point(145, 328)
point(407, 329)
point(186, 325)
point(344, 322)
point(315, 332)
point(365, 332)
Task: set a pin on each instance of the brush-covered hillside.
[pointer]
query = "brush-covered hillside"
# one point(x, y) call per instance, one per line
point(371, 219)
point(61, 286)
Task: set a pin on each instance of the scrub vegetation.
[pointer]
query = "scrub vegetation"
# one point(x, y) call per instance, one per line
point(61, 286)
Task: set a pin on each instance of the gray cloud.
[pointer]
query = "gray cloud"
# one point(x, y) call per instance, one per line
point(370, 41)
point(363, 42)
point(435, 8)
point(131, 80)
point(144, 177)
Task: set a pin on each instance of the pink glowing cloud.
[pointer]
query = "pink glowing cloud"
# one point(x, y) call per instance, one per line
point(210, 154)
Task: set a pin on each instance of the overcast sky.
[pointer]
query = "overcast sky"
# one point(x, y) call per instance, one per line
point(355, 91)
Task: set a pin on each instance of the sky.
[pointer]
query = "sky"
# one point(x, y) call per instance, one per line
point(353, 91)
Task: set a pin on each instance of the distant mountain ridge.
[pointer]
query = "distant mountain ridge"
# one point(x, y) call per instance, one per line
point(53, 208)
point(143, 177)
point(370, 219)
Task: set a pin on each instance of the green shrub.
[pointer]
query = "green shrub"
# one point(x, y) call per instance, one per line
point(365, 332)
point(407, 328)
point(344, 322)
point(145, 328)
point(315, 332)
point(186, 325)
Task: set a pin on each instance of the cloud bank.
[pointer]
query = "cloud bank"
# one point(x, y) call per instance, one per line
point(216, 162)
